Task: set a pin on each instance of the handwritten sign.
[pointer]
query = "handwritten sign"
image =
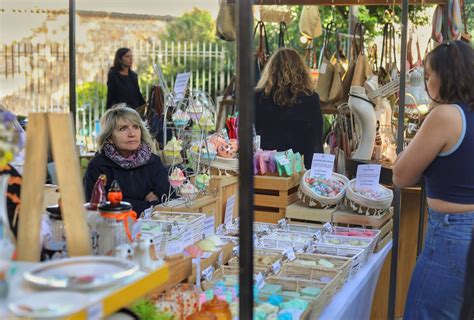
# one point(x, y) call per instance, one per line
point(181, 84)
point(208, 226)
point(229, 210)
point(367, 178)
point(276, 267)
point(322, 165)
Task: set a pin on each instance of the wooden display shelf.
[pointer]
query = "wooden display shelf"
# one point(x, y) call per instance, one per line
point(272, 195)
point(226, 186)
point(156, 281)
point(204, 204)
point(226, 252)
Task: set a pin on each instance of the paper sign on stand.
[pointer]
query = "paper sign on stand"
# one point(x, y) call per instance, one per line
point(208, 226)
point(229, 210)
point(368, 177)
point(181, 84)
point(322, 165)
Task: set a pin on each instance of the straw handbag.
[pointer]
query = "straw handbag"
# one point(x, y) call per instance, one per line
point(310, 22)
point(362, 68)
point(225, 22)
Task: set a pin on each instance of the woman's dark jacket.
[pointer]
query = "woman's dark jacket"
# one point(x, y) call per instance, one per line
point(299, 127)
point(122, 88)
point(135, 183)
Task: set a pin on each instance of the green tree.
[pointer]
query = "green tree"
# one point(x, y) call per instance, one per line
point(195, 25)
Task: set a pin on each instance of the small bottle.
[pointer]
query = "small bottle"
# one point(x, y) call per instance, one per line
point(98, 195)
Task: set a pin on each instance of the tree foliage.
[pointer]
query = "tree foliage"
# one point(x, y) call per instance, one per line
point(195, 25)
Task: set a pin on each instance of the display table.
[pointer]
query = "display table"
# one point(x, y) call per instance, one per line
point(355, 299)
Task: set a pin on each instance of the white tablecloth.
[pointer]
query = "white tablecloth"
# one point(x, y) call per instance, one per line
point(354, 301)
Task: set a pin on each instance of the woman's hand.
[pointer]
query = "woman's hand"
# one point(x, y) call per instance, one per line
point(151, 197)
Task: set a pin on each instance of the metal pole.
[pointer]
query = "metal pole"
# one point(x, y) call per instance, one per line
point(421, 224)
point(72, 58)
point(245, 100)
point(397, 192)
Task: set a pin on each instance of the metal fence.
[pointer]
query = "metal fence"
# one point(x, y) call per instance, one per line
point(35, 77)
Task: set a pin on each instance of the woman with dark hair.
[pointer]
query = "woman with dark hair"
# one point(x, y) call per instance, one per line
point(443, 152)
point(287, 109)
point(122, 82)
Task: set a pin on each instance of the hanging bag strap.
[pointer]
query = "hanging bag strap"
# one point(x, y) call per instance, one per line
point(282, 35)
point(263, 49)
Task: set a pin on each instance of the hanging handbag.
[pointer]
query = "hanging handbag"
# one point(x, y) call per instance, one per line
point(326, 69)
point(387, 70)
point(310, 22)
point(312, 61)
point(263, 50)
point(226, 105)
point(362, 66)
point(354, 53)
point(225, 22)
point(336, 93)
point(282, 35)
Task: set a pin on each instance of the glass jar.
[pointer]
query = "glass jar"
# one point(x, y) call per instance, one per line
point(114, 226)
point(54, 240)
point(219, 308)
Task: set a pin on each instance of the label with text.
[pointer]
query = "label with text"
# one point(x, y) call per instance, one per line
point(322, 165)
point(209, 226)
point(368, 177)
point(229, 210)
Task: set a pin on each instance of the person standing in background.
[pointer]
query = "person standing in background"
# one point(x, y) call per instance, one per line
point(122, 82)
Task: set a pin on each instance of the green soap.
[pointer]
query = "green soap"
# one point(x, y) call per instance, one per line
point(291, 294)
point(325, 263)
point(271, 288)
point(311, 291)
point(231, 280)
point(295, 304)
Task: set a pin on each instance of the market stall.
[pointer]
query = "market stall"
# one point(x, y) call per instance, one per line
point(238, 224)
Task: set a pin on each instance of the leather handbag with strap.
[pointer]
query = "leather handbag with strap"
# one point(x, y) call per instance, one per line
point(387, 70)
point(336, 92)
point(326, 68)
point(310, 22)
point(282, 35)
point(312, 60)
point(263, 49)
point(362, 68)
point(354, 53)
point(225, 22)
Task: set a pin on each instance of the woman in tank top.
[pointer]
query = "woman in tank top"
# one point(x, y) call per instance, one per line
point(442, 152)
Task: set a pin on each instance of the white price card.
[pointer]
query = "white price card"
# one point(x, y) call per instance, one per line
point(282, 223)
point(276, 267)
point(181, 84)
point(318, 236)
point(290, 254)
point(208, 272)
point(187, 238)
point(328, 227)
point(259, 280)
point(220, 230)
point(368, 177)
point(235, 251)
point(95, 312)
point(208, 226)
point(229, 210)
point(282, 160)
point(220, 258)
point(174, 247)
point(322, 165)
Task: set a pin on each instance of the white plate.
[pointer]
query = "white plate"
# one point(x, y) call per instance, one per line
point(81, 273)
point(50, 304)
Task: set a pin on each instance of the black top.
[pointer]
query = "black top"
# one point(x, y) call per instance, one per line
point(122, 88)
point(134, 183)
point(299, 127)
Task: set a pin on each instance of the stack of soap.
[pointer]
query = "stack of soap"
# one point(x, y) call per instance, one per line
point(326, 264)
point(269, 288)
point(311, 292)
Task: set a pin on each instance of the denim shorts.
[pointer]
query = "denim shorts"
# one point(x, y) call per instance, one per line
point(437, 283)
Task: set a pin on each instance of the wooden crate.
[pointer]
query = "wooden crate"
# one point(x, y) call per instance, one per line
point(225, 187)
point(205, 204)
point(272, 195)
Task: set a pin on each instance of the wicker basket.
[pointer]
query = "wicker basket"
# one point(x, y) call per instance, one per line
point(194, 223)
point(219, 274)
point(289, 284)
point(280, 239)
point(310, 198)
point(163, 237)
point(307, 228)
point(259, 228)
point(363, 205)
point(356, 255)
point(342, 265)
point(275, 257)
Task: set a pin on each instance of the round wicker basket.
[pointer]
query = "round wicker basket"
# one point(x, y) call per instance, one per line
point(363, 205)
point(311, 199)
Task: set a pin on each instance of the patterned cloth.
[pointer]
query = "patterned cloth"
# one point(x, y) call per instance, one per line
point(13, 194)
point(137, 159)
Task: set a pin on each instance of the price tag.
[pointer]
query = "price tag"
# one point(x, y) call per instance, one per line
point(235, 251)
point(282, 160)
point(95, 312)
point(209, 226)
point(367, 178)
point(257, 142)
point(174, 247)
point(187, 238)
point(181, 84)
point(208, 272)
point(174, 229)
point(290, 254)
point(229, 210)
point(276, 267)
point(137, 229)
point(318, 236)
point(220, 230)
point(259, 280)
point(322, 68)
point(328, 227)
point(220, 258)
point(322, 165)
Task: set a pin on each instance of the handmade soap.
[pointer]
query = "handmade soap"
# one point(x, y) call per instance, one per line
point(325, 263)
point(311, 291)
point(271, 288)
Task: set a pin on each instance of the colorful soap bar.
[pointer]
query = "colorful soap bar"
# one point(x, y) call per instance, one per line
point(311, 291)
point(271, 288)
point(326, 264)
